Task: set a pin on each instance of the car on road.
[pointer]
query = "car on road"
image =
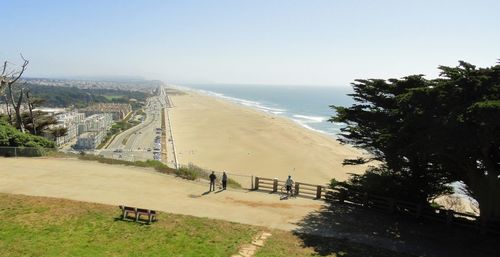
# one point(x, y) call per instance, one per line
point(149, 149)
point(118, 150)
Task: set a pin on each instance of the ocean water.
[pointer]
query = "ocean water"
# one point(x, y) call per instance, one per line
point(305, 105)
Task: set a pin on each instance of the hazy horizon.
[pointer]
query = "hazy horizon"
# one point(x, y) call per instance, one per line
point(321, 43)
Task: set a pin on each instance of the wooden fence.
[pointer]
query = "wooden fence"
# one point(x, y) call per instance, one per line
point(301, 189)
point(382, 203)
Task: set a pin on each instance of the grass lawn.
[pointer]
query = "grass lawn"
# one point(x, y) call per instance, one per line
point(40, 226)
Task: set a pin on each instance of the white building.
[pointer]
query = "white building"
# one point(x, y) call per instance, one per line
point(70, 121)
point(92, 130)
point(96, 123)
point(90, 140)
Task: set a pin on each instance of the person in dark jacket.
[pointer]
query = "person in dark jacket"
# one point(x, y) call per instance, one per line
point(212, 178)
point(224, 180)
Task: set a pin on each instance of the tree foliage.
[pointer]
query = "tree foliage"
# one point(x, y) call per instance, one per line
point(60, 96)
point(428, 133)
point(10, 136)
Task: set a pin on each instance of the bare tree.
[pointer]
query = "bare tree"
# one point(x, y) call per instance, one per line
point(7, 110)
point(30, 107)
point(8, 78)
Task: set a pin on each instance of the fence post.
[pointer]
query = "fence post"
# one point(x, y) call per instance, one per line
point(251, 183)
point(297, 185)
point(15, 151)
point(319, 190)
point(275, 185)
point(256, 183)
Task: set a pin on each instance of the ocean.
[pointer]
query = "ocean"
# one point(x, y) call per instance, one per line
point(305, 105)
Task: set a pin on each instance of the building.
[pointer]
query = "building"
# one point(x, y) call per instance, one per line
point(90, 140)
point(96, 123)
point(118, 111)
point(70, 121)
point(92, 130)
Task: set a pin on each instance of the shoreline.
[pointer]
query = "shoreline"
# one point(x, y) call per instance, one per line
point(257, 105)
point(221, 135)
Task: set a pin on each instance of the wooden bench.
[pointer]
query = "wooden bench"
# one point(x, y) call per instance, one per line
point(137, 212)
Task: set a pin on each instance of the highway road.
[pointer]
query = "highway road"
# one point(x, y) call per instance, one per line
point(138, 143)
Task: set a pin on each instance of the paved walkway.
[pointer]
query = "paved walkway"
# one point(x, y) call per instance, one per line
point(115, 184)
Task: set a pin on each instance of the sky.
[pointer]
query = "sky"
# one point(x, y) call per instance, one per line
point(249, 42)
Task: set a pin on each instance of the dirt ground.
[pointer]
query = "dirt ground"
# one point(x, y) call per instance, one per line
point(142, 187)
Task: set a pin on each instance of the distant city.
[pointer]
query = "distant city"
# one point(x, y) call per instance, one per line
point(88, 125)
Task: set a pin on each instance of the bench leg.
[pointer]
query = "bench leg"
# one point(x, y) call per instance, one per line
point(137, 216)
point(123, 214)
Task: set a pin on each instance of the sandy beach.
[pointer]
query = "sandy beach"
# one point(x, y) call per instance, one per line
point(221, 135)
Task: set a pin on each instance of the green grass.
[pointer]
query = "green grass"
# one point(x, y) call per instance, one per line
point(38, 226)
point(41, 226)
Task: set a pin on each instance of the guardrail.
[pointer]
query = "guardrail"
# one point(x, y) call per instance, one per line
point(301, 188)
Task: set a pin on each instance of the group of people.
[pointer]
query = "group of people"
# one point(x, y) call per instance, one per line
point(213, 178)
point(288, 183)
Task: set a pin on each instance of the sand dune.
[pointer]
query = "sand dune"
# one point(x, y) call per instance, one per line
point(220, 135)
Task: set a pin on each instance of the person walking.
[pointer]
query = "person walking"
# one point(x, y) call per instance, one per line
point(212, 178)
point(224, 180)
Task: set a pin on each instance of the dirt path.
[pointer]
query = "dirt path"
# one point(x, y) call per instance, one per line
point(115, 184)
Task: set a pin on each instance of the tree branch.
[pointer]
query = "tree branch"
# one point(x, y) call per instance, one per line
point(23, 68)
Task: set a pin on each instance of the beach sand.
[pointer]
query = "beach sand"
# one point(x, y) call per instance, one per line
point(220, 135)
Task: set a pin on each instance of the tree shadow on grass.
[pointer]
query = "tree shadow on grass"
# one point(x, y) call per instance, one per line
point(340, 227)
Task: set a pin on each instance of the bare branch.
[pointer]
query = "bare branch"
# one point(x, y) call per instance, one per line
point(4, 67)
point(23, 68)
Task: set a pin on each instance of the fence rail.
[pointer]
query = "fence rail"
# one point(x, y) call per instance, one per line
point(301, 189)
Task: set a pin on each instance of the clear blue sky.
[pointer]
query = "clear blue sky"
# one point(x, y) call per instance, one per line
point(263, 42)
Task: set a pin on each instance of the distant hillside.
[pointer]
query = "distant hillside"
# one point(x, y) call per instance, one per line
point(59, 96)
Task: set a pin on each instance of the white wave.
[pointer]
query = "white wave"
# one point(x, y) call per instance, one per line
point(303, 124)
point(245, 102)
point(311, 119)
